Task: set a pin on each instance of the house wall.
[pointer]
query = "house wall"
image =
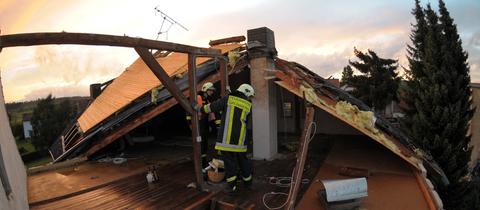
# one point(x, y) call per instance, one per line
point(12, 169)
point(326, 123)
point(287, 119)
point(475, 126)
point(27, 129)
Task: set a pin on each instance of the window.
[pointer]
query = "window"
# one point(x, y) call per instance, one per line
point(3, 176)
point(287, 109)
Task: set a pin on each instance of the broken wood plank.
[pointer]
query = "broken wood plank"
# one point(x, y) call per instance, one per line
point(30, 39)
point(305, 139)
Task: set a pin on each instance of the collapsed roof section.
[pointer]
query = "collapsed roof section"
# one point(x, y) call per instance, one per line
point(134, 82)
point(131, 99)
point(304, 83)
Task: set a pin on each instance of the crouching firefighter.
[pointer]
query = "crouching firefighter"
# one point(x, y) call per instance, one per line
point(231, 141)
point(205, 96)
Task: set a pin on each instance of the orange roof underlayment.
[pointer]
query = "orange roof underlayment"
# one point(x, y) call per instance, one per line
point(135, 81)
point(384, 169)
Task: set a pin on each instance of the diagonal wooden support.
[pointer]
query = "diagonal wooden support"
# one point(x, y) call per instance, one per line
point(301, 157)
point(148, 58)
point(224, 77)
point(196, 139)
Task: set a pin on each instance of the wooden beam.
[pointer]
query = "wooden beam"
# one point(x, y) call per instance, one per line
point(160, 73)
point(234, 39)
point(196, 138)
point(223, 78)
point(202, 202)
point(30, 39)
point(301, 157)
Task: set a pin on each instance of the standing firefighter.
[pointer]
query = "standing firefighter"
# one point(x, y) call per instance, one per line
point(206, 122)
point(231, 141)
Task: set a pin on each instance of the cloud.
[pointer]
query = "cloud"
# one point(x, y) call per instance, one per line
point(62, 70)
point(58, 91)
point(318, 34)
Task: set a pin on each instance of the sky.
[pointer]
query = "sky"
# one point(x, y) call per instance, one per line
point(319, 34)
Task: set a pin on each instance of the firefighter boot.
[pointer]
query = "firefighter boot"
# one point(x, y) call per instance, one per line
point(231, 187)
point(248, 183)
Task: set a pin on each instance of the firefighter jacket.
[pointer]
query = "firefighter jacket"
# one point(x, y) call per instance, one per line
point(235, 109)
point(204, 99)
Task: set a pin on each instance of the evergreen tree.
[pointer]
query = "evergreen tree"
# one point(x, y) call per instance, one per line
point(462, 192)
point(415, 56)
point(439, 109)
point(347, 75)
point(43, 118)
point(49, 120)
point(378, 83)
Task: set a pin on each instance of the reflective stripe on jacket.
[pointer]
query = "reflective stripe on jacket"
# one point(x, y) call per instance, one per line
point(232, 132)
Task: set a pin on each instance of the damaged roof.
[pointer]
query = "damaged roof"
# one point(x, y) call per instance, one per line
point(135, 81)
point(340, 104)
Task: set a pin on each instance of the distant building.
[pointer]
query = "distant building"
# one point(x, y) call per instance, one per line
point(475, 126)
point(27, 125)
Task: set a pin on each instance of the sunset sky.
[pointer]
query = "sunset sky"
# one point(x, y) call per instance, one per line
point(318, 34)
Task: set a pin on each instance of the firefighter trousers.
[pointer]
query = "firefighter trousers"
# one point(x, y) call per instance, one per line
point(234, 161)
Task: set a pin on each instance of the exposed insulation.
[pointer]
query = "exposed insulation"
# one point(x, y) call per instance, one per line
point(310, 94)
point(233, 57)
point(364, 119)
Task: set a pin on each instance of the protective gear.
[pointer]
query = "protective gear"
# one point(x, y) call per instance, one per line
point(247, 90)
point(233, 160)
point(207, 86)
point(231, 141)
point(232, 133)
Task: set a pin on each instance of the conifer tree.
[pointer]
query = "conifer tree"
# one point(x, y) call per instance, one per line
point(347, 75)
point(439, 107)
point(378, 82)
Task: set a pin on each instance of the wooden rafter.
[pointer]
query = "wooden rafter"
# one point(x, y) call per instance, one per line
point(160, 73)
point(30, 39)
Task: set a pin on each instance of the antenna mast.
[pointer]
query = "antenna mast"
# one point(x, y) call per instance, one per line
point(166, 20)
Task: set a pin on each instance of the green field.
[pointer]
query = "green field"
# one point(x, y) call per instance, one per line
point(39, 162)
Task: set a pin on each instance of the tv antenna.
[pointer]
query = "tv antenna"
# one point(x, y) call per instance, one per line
point(167, 23)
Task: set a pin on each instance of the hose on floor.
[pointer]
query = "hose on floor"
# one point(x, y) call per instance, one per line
point(287, 181)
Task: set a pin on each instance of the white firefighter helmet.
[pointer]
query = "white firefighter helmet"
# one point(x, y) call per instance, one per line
point(207, 86)
point(247, 90)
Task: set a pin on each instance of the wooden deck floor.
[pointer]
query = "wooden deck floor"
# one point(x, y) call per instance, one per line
point(170, 192)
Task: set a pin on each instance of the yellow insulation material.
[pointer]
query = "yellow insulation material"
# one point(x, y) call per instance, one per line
point(154, 94)
point(310, 94)
point(232, 58)
point(364, 119)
